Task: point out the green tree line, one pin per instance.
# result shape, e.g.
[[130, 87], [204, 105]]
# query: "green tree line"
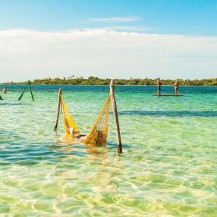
[[98, 81]]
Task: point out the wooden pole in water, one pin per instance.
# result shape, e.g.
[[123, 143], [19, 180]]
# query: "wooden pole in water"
[[31, 90], [22, 94], [58, 109], [117, 127]]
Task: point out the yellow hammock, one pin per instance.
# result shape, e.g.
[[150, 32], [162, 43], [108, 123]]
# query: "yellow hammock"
[[99, 131]]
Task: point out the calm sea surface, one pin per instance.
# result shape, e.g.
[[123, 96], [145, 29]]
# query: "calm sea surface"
[[168, 166]]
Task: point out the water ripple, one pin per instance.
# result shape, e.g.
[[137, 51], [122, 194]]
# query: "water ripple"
[[171, 113], [167, 168]]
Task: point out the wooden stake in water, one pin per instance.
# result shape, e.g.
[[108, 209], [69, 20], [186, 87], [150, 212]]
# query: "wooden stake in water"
[[22, 94], [30, 88], [58, 109], [117, 127]]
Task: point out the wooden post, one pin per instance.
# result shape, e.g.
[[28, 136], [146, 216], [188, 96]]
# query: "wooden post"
[[58, 109], [22, 94], [118, 134], [31, 90]]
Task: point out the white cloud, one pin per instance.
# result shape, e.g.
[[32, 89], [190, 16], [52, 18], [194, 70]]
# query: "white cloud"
[[125, 28], [30, 55], [113, 20]]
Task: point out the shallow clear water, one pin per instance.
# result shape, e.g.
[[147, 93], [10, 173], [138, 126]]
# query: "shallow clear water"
[[168, 166]]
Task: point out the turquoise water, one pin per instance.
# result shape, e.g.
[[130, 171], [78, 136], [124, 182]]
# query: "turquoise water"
[[168, 166]]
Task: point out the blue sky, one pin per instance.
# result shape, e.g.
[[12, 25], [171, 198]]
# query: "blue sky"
[[194, 17], [108, 39]]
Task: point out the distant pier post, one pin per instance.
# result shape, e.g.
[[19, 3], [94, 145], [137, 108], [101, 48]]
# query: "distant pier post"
[[117, 127], [30, 88], [58, 109]]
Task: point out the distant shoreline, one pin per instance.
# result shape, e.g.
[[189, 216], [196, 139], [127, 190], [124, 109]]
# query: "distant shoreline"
[[83, 85], [93, 81]]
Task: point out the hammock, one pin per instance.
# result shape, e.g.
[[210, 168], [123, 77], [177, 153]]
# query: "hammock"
[[98, 133]]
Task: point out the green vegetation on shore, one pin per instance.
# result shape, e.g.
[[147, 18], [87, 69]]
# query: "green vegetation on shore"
[[99, 81]]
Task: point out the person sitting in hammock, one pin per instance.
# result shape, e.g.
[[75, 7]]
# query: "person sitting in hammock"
[[72, 131], [4, 90], [76, 135]]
